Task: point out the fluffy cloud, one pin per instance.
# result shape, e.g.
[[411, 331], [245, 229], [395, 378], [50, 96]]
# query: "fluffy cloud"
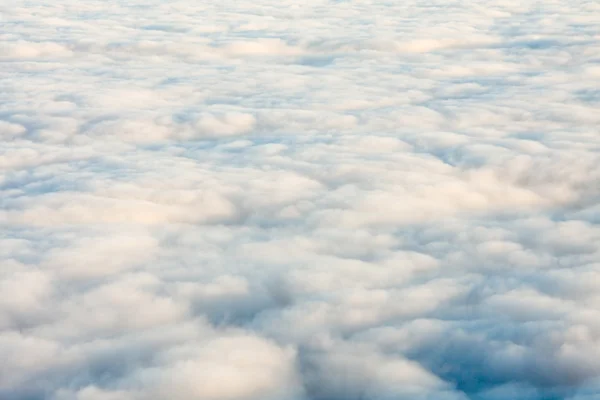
[[328, 201]]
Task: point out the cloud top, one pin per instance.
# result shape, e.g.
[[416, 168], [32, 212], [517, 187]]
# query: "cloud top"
[[337, 200]]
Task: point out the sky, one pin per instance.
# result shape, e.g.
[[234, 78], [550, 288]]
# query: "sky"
[[317, 200]]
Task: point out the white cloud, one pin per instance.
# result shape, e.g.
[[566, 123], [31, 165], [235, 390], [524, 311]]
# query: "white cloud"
[[334, 200], [225, 368]]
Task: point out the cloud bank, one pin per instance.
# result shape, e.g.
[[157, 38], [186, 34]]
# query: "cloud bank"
[[338, 200]]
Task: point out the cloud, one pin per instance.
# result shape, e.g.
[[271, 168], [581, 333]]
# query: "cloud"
[[260, 370], [338, 200]]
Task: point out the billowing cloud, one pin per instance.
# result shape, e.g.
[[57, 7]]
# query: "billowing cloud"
[[333, 200]]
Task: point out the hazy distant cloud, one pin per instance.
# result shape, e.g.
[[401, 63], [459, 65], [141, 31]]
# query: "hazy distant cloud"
[[331, 200]]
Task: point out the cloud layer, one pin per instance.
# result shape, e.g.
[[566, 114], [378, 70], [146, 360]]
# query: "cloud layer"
[[339, 200]]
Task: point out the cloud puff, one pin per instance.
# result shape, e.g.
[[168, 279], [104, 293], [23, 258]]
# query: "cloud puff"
[[328, 201]]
